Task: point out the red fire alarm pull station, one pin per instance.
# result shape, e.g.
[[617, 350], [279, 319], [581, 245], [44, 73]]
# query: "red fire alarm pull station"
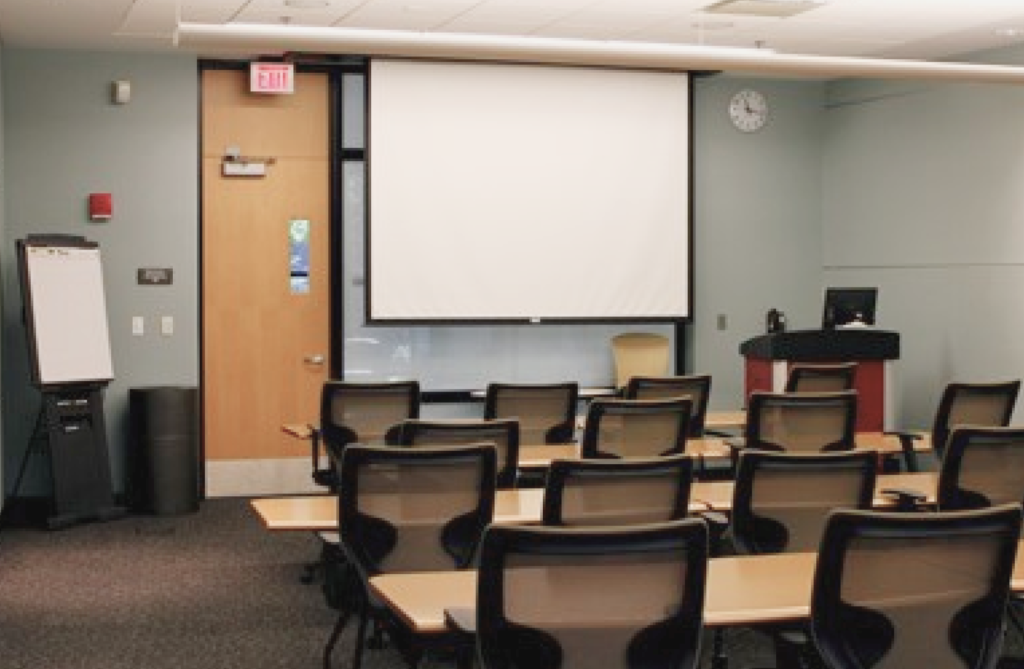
[[101, 206]]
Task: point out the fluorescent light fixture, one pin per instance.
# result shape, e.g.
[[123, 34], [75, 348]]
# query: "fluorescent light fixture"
[[768, 8], [266, 39]]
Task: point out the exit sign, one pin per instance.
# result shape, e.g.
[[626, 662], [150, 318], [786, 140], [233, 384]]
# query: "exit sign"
[[277, 78]]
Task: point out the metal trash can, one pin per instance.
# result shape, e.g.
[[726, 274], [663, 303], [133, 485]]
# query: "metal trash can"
[[164, 462]]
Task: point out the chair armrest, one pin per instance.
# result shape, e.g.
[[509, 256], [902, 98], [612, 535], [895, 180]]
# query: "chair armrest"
[[718, 525], [904, 435], [907, 499], [314, 438], [298, 431], [907, 440], [462, 619], [564, 433], [735, 444]]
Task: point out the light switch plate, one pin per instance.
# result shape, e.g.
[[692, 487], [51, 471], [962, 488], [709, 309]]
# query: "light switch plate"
[[167, 325], [138, 326]]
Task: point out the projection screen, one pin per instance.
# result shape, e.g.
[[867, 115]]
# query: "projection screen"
[[525, 193]]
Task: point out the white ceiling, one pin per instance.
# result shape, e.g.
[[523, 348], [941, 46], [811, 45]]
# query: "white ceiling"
[[916, 29]]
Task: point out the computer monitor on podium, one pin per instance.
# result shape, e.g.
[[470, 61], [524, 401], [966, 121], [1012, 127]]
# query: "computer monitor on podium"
[[849, 307]]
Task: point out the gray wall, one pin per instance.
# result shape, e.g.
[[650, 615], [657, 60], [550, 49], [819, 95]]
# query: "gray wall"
[[64, 140], [757, 222], [922, 195], [914, 188]]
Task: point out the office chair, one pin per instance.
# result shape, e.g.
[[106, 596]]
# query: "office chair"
[[982, 467], [781, 503], [614, 597], [409, 509], [546, 412], [640, 354], [359, 412], [697, 388], [914, 590], [804, 378], [617, 492], [799, 422], [352, 412], [984, 404], [618, 428], [965, 404], [503, 434]]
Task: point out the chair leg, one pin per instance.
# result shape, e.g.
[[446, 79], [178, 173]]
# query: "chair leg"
[[1011, 610], [719, 660], [309, 572], [364, 616], [788, 655], [339, 625], [376, 640]]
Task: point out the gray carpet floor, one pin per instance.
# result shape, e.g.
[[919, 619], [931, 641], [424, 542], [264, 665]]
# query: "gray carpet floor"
[[206, 590], [211, 589]]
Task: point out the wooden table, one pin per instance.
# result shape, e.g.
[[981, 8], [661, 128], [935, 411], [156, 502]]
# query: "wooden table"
[[319, 513], [717, 495], [714, 420], [713, 449], [747, 590], [725, 420]]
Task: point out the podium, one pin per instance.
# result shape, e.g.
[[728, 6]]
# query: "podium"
[[768, 358]]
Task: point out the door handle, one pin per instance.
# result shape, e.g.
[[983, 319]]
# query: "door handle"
[[314, 359]]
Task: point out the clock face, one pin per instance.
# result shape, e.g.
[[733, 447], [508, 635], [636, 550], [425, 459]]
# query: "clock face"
[[748, 110]]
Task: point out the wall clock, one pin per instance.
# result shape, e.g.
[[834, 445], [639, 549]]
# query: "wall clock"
[[748, 110]]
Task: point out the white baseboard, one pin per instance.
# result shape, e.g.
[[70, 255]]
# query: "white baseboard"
[[248, 478]]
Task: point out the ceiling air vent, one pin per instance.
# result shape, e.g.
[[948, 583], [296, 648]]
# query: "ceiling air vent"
[[770, 8]]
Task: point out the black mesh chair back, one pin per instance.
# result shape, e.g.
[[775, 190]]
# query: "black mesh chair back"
[[983, 404], [360, 412], [804, 378], [613, 598], [420, 509], [801, 422], [982, 467], [503, 434], [617, 492], [546, 412], [696, 388], [407, 510], [781, 501], [914, 590], [618, 428]]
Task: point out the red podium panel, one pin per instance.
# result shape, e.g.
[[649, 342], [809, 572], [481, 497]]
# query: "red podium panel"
[[769, 357]]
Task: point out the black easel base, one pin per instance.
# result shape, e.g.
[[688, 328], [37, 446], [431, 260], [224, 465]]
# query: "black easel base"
[[64, 520]]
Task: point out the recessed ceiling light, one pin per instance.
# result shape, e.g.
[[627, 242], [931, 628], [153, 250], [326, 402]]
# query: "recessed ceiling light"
[[1010, 32], [307, 4]]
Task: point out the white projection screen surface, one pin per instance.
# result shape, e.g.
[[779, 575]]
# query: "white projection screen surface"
[[527, 193]]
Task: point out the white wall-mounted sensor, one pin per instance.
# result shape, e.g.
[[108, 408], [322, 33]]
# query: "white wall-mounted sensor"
[[121, 92]]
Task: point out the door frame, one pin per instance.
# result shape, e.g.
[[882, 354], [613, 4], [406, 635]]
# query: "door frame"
[[335, 68]]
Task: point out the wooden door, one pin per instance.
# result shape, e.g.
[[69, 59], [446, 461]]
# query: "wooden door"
[[264, 344]]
